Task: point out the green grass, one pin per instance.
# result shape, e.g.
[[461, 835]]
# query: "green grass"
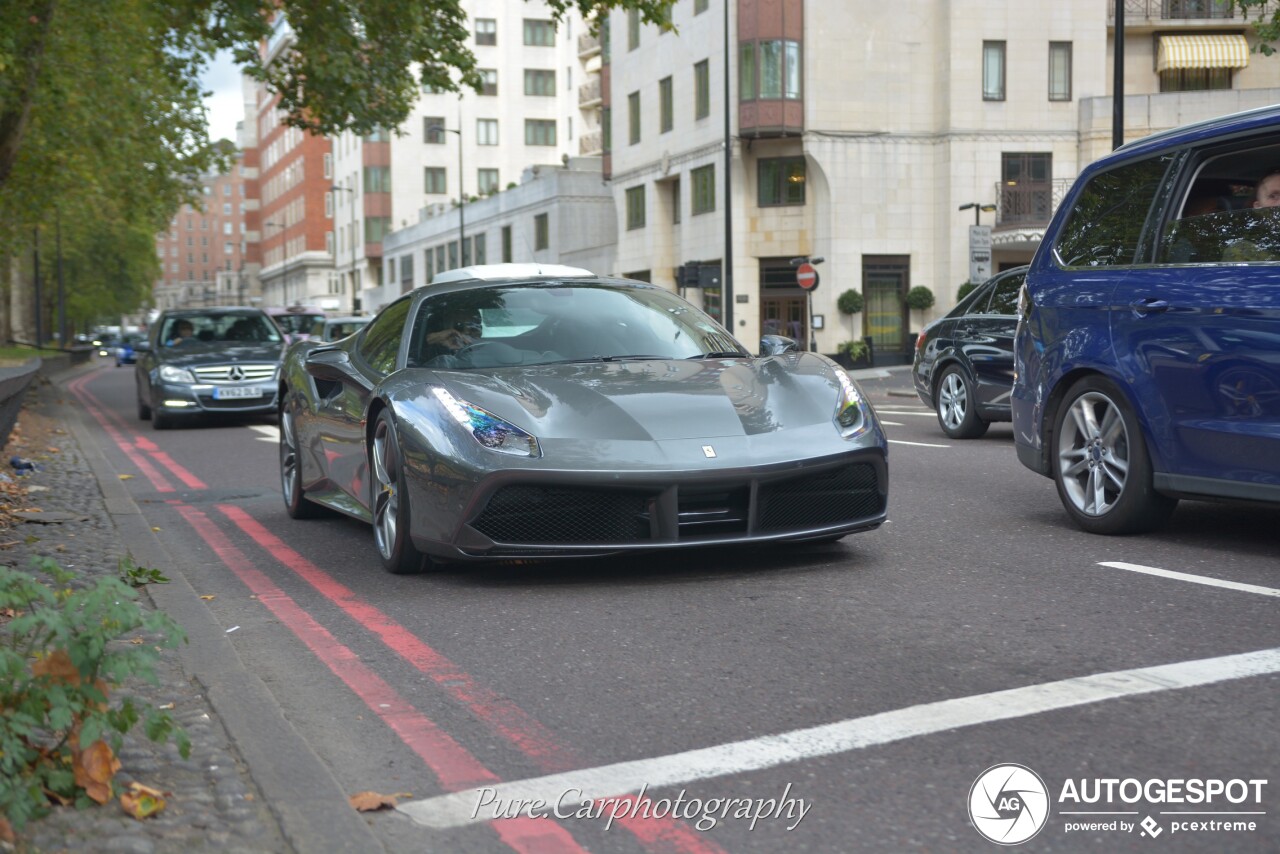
[[18, 355]]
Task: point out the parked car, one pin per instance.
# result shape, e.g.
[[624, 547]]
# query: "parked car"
[[296, 321], [1147, 357], [124, 350], [208, 360], [963, 365], [333, 328], [557, 413]]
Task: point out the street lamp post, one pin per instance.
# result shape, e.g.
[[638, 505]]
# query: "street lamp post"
[[355, 279], [977, 210], [462, 196]]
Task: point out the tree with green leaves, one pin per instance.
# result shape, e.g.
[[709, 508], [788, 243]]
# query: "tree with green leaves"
[[103, 129], [1265, 17]]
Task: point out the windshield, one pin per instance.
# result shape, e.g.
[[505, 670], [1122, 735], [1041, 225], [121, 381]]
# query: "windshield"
[[194, 329], [297, 322], [541, 324]]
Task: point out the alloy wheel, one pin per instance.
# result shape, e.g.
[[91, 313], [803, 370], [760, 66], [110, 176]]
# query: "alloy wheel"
[[1093, 454], [386, 503], [953, 400]]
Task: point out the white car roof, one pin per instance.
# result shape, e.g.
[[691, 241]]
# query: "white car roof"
[[508, 271]]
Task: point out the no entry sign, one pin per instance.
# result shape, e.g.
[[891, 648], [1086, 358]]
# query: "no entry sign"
[[807, 276]]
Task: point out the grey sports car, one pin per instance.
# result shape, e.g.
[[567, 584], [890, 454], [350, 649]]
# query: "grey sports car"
[[571, 415]]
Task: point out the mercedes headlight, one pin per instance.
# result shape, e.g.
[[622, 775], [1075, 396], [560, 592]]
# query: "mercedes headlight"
[[171, 374], [488, 429], [851, 415]]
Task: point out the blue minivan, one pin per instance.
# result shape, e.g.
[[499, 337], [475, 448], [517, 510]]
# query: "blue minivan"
[[1147, 353]]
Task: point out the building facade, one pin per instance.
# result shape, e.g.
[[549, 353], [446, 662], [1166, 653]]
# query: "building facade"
[[874, 136], [202, 255]]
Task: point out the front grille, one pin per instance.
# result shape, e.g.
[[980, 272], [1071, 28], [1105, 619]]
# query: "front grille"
[[817, 500], [222, 373], [542, 514]]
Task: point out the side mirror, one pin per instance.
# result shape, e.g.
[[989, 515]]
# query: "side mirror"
[[142, 347], [776, 345], [326, 363]]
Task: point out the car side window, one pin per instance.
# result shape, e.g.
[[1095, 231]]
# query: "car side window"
[[1107, 219], [1004, 298], [381, 342]]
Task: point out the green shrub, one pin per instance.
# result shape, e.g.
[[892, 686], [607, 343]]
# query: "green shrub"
[[63, 649], [849, 302], [965, 290], [919, 298], [856, 350]]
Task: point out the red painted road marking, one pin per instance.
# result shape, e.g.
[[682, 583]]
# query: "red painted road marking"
[[158, 481], [454, 767], [503, 716], [104, 416]]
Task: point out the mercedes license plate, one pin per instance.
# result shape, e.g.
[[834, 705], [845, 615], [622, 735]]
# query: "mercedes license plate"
[[228, 392]]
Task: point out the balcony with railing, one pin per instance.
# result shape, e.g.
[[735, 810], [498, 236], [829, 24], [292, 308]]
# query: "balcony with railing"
[[1028, 204], [590, 93], [588, 46], [591, 143], [1162, 13]]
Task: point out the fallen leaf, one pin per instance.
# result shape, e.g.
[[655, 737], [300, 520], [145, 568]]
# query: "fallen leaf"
[[58, 667], [371, 801], [166, 706], [142, 801], [155, 529], [135, 641], [126, 477], [6, 832], [208, 596], [94, 767], [51, 449]]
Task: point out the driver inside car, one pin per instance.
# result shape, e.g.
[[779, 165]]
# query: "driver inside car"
[[457, 327]]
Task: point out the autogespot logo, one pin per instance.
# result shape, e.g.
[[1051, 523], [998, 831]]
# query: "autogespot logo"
[[1008, 804]]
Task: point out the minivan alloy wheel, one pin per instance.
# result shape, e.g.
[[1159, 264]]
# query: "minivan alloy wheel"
[[1093, 453]]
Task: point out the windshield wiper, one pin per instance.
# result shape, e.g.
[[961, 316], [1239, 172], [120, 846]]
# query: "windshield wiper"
[[718, 354], [621, 358]]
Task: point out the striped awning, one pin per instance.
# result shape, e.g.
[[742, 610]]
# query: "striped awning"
[[1220, 51]]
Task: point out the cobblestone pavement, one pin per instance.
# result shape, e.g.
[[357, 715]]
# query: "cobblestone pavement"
[[213, 804]]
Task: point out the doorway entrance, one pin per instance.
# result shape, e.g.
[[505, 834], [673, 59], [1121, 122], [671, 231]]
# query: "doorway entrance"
[[784, 316], [885, 279]]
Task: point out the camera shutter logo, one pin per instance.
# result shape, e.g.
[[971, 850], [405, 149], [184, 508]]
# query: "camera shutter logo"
[[1008, 804]]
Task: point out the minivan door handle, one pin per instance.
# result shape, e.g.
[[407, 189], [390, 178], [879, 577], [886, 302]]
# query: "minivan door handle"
[[1149, 305]]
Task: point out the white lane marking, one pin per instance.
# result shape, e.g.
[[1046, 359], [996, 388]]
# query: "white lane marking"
[[270, 432], [459, 808], [928, 413], [1194, 579], [882, 421], [917, 444]]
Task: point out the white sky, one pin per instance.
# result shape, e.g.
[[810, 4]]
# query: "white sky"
[[225, 105]]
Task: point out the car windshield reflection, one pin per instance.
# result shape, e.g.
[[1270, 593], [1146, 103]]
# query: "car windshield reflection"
[[542, 325]]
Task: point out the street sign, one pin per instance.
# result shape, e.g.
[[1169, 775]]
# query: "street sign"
[[807, 277], [979, 253]]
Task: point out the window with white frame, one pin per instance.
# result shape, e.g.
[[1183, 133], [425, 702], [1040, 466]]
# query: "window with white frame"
[[486, 31], [993, 71], [1059, 71], [434, 181], [540, 81], [539, 33], [486, 131], [539, 132], [635, 207]]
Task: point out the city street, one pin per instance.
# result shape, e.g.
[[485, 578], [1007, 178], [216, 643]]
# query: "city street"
[[574, 681]]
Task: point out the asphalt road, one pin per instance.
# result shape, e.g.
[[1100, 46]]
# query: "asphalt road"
[[830, 679]]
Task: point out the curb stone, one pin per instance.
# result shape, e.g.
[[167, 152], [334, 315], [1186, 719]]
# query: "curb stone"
[[285, 800]]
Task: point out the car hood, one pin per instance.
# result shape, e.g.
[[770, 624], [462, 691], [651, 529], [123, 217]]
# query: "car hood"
[[194, 354], [656, 399]]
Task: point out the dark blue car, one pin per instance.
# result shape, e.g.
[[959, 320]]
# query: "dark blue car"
[[124, 350], [1147, 355]]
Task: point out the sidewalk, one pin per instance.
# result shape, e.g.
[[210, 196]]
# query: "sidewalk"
[[284, 799]]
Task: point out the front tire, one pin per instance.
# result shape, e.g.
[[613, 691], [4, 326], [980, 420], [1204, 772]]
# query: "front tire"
[[390, 501], [956, 406], [144, 411], [296, 503], [1101, 465]]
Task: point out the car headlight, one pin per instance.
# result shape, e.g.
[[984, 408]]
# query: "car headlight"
[[488, 429], [170, 374], [851, 416]]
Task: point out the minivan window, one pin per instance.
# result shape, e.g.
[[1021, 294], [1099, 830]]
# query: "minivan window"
[[1105, 225]]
